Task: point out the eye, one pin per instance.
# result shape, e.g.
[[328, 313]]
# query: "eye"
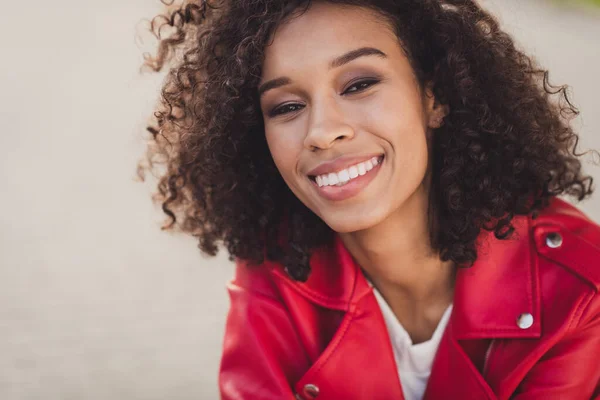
[[285, 109], [360, 86], [355, 87]]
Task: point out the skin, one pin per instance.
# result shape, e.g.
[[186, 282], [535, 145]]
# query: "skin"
[[328, 113]]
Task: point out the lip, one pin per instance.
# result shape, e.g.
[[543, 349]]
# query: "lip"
[[350, 189], [340, 163]]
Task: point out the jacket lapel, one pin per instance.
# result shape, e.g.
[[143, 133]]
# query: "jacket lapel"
[[453, 374], [489, 298], [359, 362], [502, 285]]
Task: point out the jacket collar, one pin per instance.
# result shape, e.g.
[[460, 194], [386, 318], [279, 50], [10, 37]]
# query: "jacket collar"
[[489, 297]]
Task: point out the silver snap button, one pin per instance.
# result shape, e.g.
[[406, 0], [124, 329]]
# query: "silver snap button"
[[554, 240], [311, 391], [525, 321]]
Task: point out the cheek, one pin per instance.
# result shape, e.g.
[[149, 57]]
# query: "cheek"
[[395, 110], [411, 151], [284, 151], [398, 120]]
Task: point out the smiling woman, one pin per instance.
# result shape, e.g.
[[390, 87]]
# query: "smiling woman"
[[385, 174], [349, 109]]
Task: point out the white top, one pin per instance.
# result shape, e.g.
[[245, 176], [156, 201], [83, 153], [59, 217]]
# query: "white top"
[[413, 361]]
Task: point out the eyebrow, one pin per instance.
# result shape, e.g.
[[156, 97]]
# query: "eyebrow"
[[336, 63]]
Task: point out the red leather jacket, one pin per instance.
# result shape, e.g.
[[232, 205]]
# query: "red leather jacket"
[[525, 324]]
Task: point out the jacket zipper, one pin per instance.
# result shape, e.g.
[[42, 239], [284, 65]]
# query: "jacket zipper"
[[487, 356]]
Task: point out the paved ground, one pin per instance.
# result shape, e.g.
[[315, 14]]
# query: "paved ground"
[[96, 302]]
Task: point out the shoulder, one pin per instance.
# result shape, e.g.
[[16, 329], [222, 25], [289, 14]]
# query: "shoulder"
[[259, 279], [334, 282], [566, 236]]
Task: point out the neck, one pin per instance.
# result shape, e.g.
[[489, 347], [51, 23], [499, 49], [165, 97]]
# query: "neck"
[[396, 256]]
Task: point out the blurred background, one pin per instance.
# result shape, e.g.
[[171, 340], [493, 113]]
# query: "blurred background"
[[96, 302]]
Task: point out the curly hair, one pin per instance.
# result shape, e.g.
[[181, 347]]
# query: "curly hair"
[[505, 148]]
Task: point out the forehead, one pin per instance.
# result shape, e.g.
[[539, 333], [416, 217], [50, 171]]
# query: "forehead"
[[325, 31]]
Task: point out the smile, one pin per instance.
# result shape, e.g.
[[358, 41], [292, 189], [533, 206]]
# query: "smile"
[[347, 182], [340, 178]]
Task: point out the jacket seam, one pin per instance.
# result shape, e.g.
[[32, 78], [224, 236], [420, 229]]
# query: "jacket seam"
[[565, 266], [256, 292], [581, 277], [336, 344], [583, 306], [325, 301], [284, 305], [485, 387]]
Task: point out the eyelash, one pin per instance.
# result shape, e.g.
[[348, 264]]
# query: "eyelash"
[[370, 82]]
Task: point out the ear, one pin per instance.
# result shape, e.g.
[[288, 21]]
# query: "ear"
[[435, 112]]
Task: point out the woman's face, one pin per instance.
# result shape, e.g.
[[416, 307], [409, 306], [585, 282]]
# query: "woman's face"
[[345, 119]]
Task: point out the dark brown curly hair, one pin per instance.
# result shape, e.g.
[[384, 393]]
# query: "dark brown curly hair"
[[506, 146]]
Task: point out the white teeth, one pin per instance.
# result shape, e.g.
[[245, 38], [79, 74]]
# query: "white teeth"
[[361, 169], [333, 179], [342, 177]]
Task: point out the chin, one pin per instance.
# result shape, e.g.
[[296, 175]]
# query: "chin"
[[348, 222]]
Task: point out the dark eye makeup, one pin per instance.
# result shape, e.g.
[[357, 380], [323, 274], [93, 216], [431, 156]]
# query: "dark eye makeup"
[[354, 87]]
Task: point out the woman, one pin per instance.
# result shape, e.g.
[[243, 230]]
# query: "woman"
[[384, 173]]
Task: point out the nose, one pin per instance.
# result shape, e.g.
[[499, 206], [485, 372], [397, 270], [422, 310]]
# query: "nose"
[[327, 125]]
